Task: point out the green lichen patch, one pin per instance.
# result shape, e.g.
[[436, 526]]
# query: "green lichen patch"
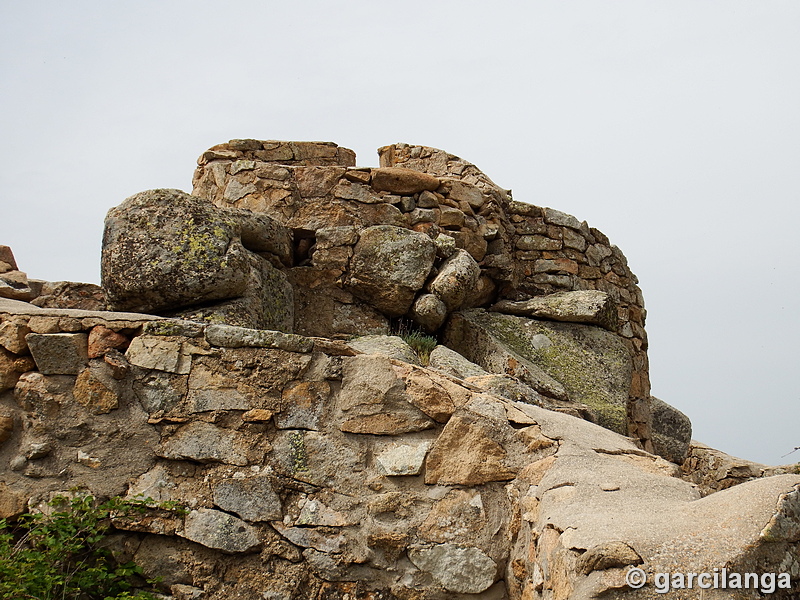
[[298, 450], [591, 363]]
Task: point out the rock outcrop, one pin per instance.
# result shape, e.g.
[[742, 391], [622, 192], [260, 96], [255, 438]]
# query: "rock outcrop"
[[317, 456]]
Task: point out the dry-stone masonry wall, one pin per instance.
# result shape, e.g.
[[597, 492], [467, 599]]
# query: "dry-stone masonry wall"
[[319, 457], [311, 470], [424, 235]]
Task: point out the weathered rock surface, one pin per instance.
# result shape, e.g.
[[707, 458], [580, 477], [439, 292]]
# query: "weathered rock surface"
[[566, 361], [457, 277], [582, 306], [164, 250], [389, 266], [367, 475], [391, 346], [672, 431]]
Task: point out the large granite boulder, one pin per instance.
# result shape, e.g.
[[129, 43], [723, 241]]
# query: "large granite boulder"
[[389, 265], [164, 250], [567, 361]]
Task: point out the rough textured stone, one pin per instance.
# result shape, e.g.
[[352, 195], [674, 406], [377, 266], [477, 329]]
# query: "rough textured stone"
[[452, 363], [302, 405], [14, 286], [389, 265], [672, 431], [429, 312], [229, 336], [462, 570], [71, 294], [221, 531], [95, 394], [252, 499], [373, 399], [608, 555], [163, 354], [403, 459], [472, 335], [582, 306], [390, 346], [6, 428], [12, 336], [457, 277], [361, 476], [59, 353], [590, 364], [204, 442], [402, 181], [11, 367], [11, 504], [164, 250], [7, 257], [102, 339]]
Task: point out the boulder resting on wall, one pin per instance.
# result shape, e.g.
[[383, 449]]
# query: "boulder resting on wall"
[[389, 265], [164, 250]]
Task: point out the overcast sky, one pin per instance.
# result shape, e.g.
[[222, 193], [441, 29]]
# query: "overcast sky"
[[671, 126]]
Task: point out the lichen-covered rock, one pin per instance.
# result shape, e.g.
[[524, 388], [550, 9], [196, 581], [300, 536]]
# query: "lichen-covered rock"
[[672, 431], [591, 365], [389, 266], [429, 312], [473, 335], [164, 250], [456, 279]]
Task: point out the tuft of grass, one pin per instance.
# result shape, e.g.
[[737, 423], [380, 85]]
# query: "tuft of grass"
[[421, 343]]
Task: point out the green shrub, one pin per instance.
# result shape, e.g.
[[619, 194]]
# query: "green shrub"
[[60, 555]]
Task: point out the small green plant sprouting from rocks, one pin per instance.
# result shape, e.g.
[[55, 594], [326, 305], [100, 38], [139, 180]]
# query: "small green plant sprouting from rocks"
[[61, 555], [421, 343], [299, 457]]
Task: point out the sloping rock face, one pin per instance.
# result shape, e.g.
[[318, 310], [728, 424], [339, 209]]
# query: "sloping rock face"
[[586, 364], [310, 470]]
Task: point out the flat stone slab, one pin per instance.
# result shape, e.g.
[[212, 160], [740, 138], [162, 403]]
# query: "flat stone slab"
[[581, 306], [17, 307]]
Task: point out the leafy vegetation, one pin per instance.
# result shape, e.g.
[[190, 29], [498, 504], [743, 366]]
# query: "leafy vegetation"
[[60, 554]]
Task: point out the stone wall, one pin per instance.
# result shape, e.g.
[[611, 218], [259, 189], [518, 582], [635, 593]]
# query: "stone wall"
[[311, 470], [522, 250]]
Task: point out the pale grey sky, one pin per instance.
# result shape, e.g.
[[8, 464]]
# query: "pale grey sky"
[[671, 126]]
